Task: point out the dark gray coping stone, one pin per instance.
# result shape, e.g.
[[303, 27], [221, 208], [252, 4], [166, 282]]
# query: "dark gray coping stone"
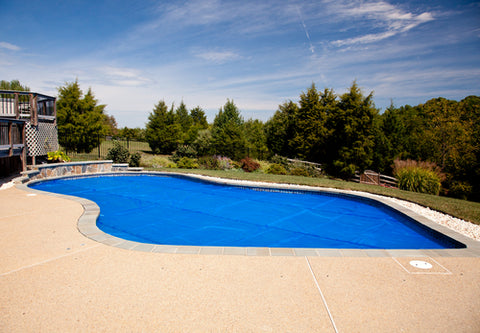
[[87, 224]]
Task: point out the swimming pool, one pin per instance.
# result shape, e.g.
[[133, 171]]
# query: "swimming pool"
[[174, 210]]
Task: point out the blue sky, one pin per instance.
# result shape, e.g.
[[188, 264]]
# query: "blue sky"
[[258, 53]]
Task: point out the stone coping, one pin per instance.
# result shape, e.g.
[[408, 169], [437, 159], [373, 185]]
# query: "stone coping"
[[88, 227]]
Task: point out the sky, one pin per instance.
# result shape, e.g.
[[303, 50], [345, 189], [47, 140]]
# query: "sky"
[[260, 54]]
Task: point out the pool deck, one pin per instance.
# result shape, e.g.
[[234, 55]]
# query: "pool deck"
[[55, 279]]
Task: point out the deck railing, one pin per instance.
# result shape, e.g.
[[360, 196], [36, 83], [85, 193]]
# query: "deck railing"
[[27, 105]]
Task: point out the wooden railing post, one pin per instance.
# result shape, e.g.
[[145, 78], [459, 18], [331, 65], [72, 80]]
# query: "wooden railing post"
[[17, 107], [10, 138], [24, 149]]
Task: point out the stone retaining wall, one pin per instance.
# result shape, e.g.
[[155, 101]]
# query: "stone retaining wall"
[[72, 168]]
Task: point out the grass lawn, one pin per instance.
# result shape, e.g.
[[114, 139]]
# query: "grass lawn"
[[466, 210]]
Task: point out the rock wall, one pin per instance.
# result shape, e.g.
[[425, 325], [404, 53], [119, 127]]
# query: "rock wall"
[[72, 168]]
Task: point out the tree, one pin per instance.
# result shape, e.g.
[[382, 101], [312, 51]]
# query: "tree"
[[310, 120], [352, 142], [183, 118], [228, 136], [256, 140], [163, 133], [111, 125], [136, 133], [198, 123], [280, 129], [13, 85], [80, 120]]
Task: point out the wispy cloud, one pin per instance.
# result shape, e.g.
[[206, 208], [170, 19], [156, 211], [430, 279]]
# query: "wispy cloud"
[[312, 48], [391, 19], [218, 57], [120, 76], [8, 46]]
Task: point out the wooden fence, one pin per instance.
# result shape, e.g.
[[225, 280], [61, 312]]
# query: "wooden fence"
[[374, 178]]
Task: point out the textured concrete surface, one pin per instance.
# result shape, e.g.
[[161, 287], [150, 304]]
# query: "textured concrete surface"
[[53, 279]]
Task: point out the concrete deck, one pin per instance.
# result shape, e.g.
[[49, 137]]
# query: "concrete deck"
[[52, 278]]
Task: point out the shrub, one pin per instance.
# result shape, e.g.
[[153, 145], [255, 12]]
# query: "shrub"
[[280, 160], [420, 177], [298, 171], [187, 163], [208, 162], [276, 169], [57, 157], [135, 160], [224, 163], [460, 190], [118, 153], [216, 162], [249, 165], [155, 161], [184, 151]]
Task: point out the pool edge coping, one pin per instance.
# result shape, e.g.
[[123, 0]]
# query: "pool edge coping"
[[86, 224]]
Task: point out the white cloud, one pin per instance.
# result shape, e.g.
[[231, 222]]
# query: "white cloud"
[[381, 15], [9, 46], [121, 76]]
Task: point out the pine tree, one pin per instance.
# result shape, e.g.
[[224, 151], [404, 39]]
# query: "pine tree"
[[279, 130], [80, 119], [163, 133], [310, 131], [352, 142], [228, 136]]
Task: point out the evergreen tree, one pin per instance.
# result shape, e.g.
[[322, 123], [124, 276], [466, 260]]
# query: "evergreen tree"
[[198, 123], [183, 118], [280, 129], [352, 141], [256, 140], [163, 133], [199, 118], [228, 136], [80, 120], [310, 131]]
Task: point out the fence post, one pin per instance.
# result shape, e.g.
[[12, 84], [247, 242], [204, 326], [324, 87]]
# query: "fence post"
[[98, 141]]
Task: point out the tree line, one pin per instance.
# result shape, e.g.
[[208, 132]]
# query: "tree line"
[[345, 133]]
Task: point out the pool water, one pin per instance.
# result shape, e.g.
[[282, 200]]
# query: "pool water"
[[175, 210]]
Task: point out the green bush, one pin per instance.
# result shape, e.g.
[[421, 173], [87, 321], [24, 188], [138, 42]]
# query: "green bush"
[[299, 172], [216, 162], [276, 169], [118, 153], [184, 151], [135, 160], [460, 190], [422, 177], [249, 165], [208, 162], [280, 160], [187, 163]]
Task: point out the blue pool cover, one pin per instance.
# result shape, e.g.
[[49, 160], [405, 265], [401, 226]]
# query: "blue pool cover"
[[180, 211]]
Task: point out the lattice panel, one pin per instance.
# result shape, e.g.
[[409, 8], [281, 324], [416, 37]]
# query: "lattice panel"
[[41, 138]]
